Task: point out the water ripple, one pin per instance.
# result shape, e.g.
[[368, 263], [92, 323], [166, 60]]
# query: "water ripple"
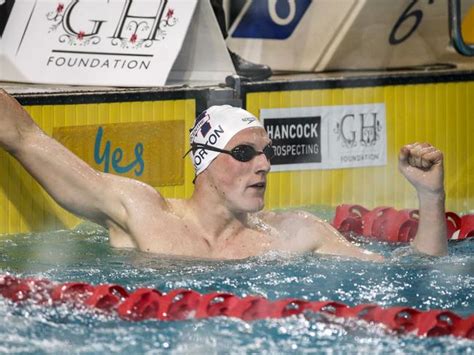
[[83, 255]]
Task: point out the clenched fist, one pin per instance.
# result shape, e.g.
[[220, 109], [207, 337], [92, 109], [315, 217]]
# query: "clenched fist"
[[422, 165]]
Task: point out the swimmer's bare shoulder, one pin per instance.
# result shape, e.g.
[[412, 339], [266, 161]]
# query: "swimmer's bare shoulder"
[[307, 232], [134, 209]]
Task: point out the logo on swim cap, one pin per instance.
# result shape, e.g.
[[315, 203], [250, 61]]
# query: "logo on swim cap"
[[206, 127], [201, 120], [249, 120], [216, 126], [200, 117]]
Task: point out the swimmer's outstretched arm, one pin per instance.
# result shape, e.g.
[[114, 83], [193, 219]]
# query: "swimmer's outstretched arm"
[[422, 165], [306, 232], [103, 198]]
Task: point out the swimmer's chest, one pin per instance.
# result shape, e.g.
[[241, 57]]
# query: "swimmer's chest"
[[177, 235]]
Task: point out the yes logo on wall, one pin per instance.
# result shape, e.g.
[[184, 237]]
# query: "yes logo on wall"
[[137, 150], [270, 19]]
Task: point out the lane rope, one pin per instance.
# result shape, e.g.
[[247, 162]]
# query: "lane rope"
[[394, 226], [180, 304]]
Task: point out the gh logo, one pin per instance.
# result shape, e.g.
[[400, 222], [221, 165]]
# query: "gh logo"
[[131, 28], [271, 19], [155, 18], [363, 128], [5, 10]]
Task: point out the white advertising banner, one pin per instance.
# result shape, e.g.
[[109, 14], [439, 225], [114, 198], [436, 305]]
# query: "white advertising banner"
[[100, 42], [318, 35], [327, 137]]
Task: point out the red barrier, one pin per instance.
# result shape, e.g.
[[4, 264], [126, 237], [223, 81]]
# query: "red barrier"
[[373, 221], [465, 328], [216, 304], [14, 289], [403, 227], [453, 223], [362, 311], [147, 303], [106, 297], [144, 303], [251, 308], [330, 307], [399, 319], [348, 218], [437, 323], [180, 304], [467, 227], [392, 226], [76, 292], [288, 307]]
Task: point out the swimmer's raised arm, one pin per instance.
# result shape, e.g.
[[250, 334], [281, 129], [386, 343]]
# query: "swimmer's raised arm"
[[100, 197], [422, 165]]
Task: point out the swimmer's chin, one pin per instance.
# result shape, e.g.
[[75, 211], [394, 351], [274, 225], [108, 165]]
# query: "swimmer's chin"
[[251, 209], [258, 207]]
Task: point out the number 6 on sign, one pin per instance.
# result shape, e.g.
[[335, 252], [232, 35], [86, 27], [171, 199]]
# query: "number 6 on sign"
[[407, 14], [352, 34]]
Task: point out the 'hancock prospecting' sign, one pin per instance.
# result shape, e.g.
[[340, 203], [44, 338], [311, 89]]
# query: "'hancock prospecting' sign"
[[327, 137], [92, 42]]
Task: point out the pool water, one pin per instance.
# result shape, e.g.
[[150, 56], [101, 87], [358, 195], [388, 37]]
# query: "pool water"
[[83, 254]]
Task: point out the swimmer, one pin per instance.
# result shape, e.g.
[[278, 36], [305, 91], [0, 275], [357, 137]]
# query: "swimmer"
[[223, 219]]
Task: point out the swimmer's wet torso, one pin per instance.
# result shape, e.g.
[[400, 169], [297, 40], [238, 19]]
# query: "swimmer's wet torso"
[[223, 218], [178, 232]]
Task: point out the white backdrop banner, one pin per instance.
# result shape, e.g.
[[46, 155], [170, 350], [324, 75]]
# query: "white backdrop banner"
[[318, 35], [327, 137], [99, 42]]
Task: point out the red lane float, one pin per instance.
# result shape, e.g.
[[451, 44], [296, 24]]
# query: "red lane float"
[[142, 304], [216, 304], [394, 226], [179, 304]]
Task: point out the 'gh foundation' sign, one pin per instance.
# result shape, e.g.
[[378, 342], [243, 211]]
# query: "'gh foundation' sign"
[[327, 137], [94, 42]]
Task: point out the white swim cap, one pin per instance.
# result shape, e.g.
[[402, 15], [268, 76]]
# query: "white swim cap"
[[215, 127]]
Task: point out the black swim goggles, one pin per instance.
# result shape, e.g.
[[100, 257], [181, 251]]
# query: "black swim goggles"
[[242, 152]]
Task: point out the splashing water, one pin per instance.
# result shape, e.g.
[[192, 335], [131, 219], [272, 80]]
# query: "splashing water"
[[83, 254]]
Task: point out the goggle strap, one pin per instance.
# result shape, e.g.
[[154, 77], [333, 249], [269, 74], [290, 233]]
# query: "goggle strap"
[[196, 146], [267, 151], [189, 151]]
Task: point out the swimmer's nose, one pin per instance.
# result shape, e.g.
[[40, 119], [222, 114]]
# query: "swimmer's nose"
[[262, 163]]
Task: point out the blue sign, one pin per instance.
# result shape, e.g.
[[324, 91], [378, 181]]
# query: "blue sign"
[[271, 19]]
